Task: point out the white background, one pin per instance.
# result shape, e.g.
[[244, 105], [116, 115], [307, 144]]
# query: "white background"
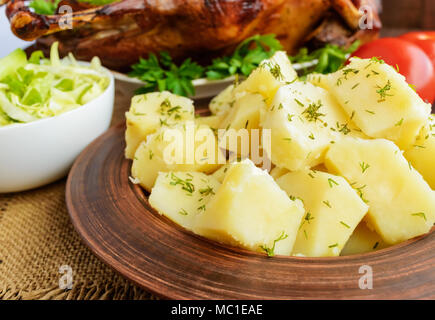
[[8, 42]]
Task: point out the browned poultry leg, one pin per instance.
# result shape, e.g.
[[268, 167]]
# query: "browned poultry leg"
[[29, 26]]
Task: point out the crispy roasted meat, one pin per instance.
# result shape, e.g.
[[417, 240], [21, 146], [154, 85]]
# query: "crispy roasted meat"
[[121, 32]]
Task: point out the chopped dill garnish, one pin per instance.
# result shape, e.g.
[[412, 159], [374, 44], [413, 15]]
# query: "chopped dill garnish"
[[377, 60], [345, 224], [207, 191], [420, 214], [271, 251], [343, 128], [307, 219], [275, 70], [356, 85], [299, 103], [348, 71], [333, 245], [332, 182], [185, 184], [183, 212], [327, 203], [364, 166], [312, 112], [399, 123], [383, 91], [360, 193]]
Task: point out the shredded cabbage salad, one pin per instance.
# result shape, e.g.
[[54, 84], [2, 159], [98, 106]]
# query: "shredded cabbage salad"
[[37, 88]]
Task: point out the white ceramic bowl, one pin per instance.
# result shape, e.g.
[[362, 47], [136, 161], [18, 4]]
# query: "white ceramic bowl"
[[40, 152]]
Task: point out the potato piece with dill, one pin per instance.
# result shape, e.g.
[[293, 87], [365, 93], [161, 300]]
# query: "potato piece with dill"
[[223, 102], [363, 240], [251, 211], [268, 77], [422, 153], [246, 112], [333, 210], [151, 111], [319, 80], [401, 204], [185, 147], [304, 120], [189, 193], [382, 103]]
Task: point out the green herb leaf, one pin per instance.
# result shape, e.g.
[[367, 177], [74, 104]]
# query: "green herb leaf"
[[247, 56], [166, 75]]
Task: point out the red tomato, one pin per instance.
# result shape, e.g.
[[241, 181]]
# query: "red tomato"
[[412, 62], [425, 40]]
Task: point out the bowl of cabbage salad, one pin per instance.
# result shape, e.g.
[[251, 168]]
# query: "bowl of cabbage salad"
[[50, 110]]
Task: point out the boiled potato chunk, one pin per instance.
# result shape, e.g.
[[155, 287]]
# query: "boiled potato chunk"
[[333, 210], [422, 153], [185, 147], [304, 121], [281, 62], [363, 240], [319, 80], [278, 172], [223, 102], [251, 211], [383, 105], [401, 203], [268, 77], [181, 196], [245, 114], [212, 121], [151, 111]]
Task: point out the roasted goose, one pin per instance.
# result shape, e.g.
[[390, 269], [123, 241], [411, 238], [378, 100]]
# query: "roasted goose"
[[121, 32]]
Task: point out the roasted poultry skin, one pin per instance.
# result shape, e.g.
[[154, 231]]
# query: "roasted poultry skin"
[[121, 32]]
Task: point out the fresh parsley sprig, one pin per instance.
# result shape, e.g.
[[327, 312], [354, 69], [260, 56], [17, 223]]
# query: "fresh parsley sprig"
[[166, 75], [163, 74], [330, 58], [247, 56]]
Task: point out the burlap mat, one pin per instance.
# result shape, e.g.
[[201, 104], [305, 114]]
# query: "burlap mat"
[[37, 238]]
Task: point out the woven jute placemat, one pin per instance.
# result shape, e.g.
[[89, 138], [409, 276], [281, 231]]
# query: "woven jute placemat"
[[37, 239]]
